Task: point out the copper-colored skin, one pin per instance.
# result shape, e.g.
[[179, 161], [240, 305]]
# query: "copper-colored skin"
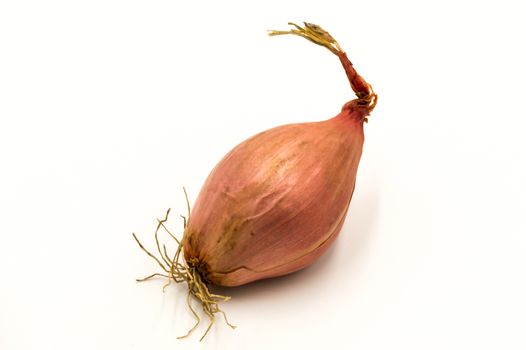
[[276, 202]]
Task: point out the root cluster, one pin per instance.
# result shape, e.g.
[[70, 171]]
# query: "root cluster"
[[176, 269]]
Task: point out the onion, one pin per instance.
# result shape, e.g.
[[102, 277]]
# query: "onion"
[[274, 203]]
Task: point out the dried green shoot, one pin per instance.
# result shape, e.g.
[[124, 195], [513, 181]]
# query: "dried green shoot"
[[366, 98], [313, 33]]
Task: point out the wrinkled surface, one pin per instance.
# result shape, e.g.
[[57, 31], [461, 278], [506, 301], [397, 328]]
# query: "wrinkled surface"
[[276, 201]]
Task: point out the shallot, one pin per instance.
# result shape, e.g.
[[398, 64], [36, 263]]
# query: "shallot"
[[276, 202]]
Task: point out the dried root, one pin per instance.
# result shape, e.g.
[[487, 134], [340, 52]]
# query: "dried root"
[[177, 270]]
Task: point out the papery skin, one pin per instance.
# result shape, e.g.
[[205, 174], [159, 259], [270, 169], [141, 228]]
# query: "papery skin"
[[277, 201]]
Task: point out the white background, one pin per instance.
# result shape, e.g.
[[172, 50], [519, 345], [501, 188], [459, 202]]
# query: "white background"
[[107, 108]]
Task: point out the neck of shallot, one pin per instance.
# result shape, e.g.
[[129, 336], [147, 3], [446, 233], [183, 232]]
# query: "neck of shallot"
[[366, 99]]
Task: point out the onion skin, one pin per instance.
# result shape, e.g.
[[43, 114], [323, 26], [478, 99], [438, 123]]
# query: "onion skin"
[[274, 204], [277, 201]]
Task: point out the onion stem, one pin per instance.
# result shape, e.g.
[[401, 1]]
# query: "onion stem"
[[366, 98]]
